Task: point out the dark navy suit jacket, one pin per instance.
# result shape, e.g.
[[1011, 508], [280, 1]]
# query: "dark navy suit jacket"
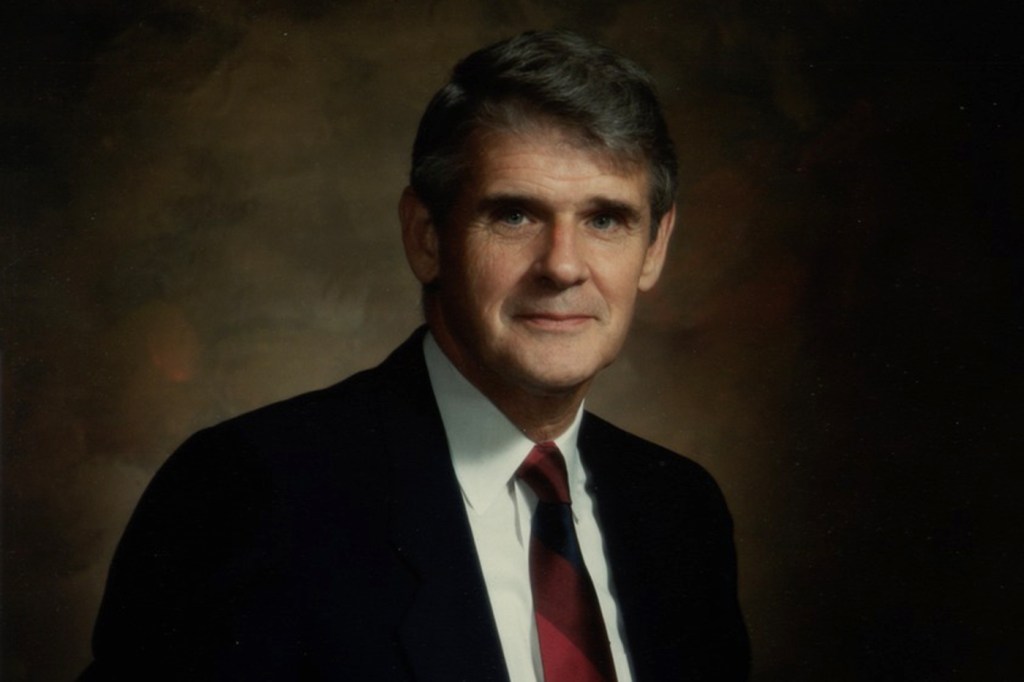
[[325, 538]]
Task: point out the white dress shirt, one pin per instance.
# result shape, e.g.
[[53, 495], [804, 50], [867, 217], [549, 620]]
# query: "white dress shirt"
[[486, 450]]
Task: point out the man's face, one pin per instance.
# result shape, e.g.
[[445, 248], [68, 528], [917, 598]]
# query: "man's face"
[[538, 267]]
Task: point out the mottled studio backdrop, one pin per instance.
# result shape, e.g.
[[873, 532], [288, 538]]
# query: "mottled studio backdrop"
[[198, 217]]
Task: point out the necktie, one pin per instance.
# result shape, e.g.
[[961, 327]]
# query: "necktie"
[[573, 640]]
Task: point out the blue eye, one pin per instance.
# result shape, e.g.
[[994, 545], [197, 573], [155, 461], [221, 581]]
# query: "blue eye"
[[513, 217], [604, 221]]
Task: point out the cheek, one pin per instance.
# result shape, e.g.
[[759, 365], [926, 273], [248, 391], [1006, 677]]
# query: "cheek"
[[493, 273], [618, 281], [478, 285]]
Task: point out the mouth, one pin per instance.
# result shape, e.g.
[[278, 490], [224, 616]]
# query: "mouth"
[[555, 322]]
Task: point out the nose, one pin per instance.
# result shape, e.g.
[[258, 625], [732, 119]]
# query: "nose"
[[561, 260]]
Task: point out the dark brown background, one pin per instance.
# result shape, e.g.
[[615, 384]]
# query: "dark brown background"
[[198, 208]]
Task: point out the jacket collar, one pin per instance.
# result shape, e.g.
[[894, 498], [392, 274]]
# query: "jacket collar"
[[449, 630]]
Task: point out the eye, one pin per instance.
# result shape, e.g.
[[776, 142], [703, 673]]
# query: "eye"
[[604, 221], [512, 217]]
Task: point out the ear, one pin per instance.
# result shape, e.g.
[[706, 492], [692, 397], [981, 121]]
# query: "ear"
[[654, 257], [419, 237]]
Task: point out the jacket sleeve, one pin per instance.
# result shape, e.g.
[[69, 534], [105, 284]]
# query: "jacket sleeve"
[[180, 597]]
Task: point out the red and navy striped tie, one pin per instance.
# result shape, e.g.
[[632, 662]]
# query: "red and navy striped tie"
[[573, 640]]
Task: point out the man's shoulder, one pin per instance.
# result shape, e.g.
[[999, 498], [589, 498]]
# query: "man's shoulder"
[[604, 439], [310, 433], [307, 415], [302, 422], [348, 410], [622, 460]]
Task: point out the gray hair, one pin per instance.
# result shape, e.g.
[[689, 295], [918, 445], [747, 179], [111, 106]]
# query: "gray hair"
[[599, 97]]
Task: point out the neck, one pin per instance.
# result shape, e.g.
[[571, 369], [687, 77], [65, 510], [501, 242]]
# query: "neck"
[[540, 418]]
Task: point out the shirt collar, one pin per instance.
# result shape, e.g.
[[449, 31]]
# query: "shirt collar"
[[486, 448]]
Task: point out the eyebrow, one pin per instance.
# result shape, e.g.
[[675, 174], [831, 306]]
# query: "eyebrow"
[[629, 212], [498, 202]]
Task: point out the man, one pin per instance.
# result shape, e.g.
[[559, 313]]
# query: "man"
[[454, 514]]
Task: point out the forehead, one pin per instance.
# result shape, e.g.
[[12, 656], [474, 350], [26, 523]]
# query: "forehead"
[[547, 159]]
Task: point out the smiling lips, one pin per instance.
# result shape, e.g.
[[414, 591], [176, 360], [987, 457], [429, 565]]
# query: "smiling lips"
[[555, 321]]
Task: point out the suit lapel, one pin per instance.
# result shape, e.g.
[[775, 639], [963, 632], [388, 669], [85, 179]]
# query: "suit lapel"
[[624, 518], [449, 630]]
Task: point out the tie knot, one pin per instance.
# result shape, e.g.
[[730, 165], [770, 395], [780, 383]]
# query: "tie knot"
[[544, 471]]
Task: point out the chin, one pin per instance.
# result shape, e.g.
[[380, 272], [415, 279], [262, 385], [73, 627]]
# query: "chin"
[[554, 380], [552, 388]]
